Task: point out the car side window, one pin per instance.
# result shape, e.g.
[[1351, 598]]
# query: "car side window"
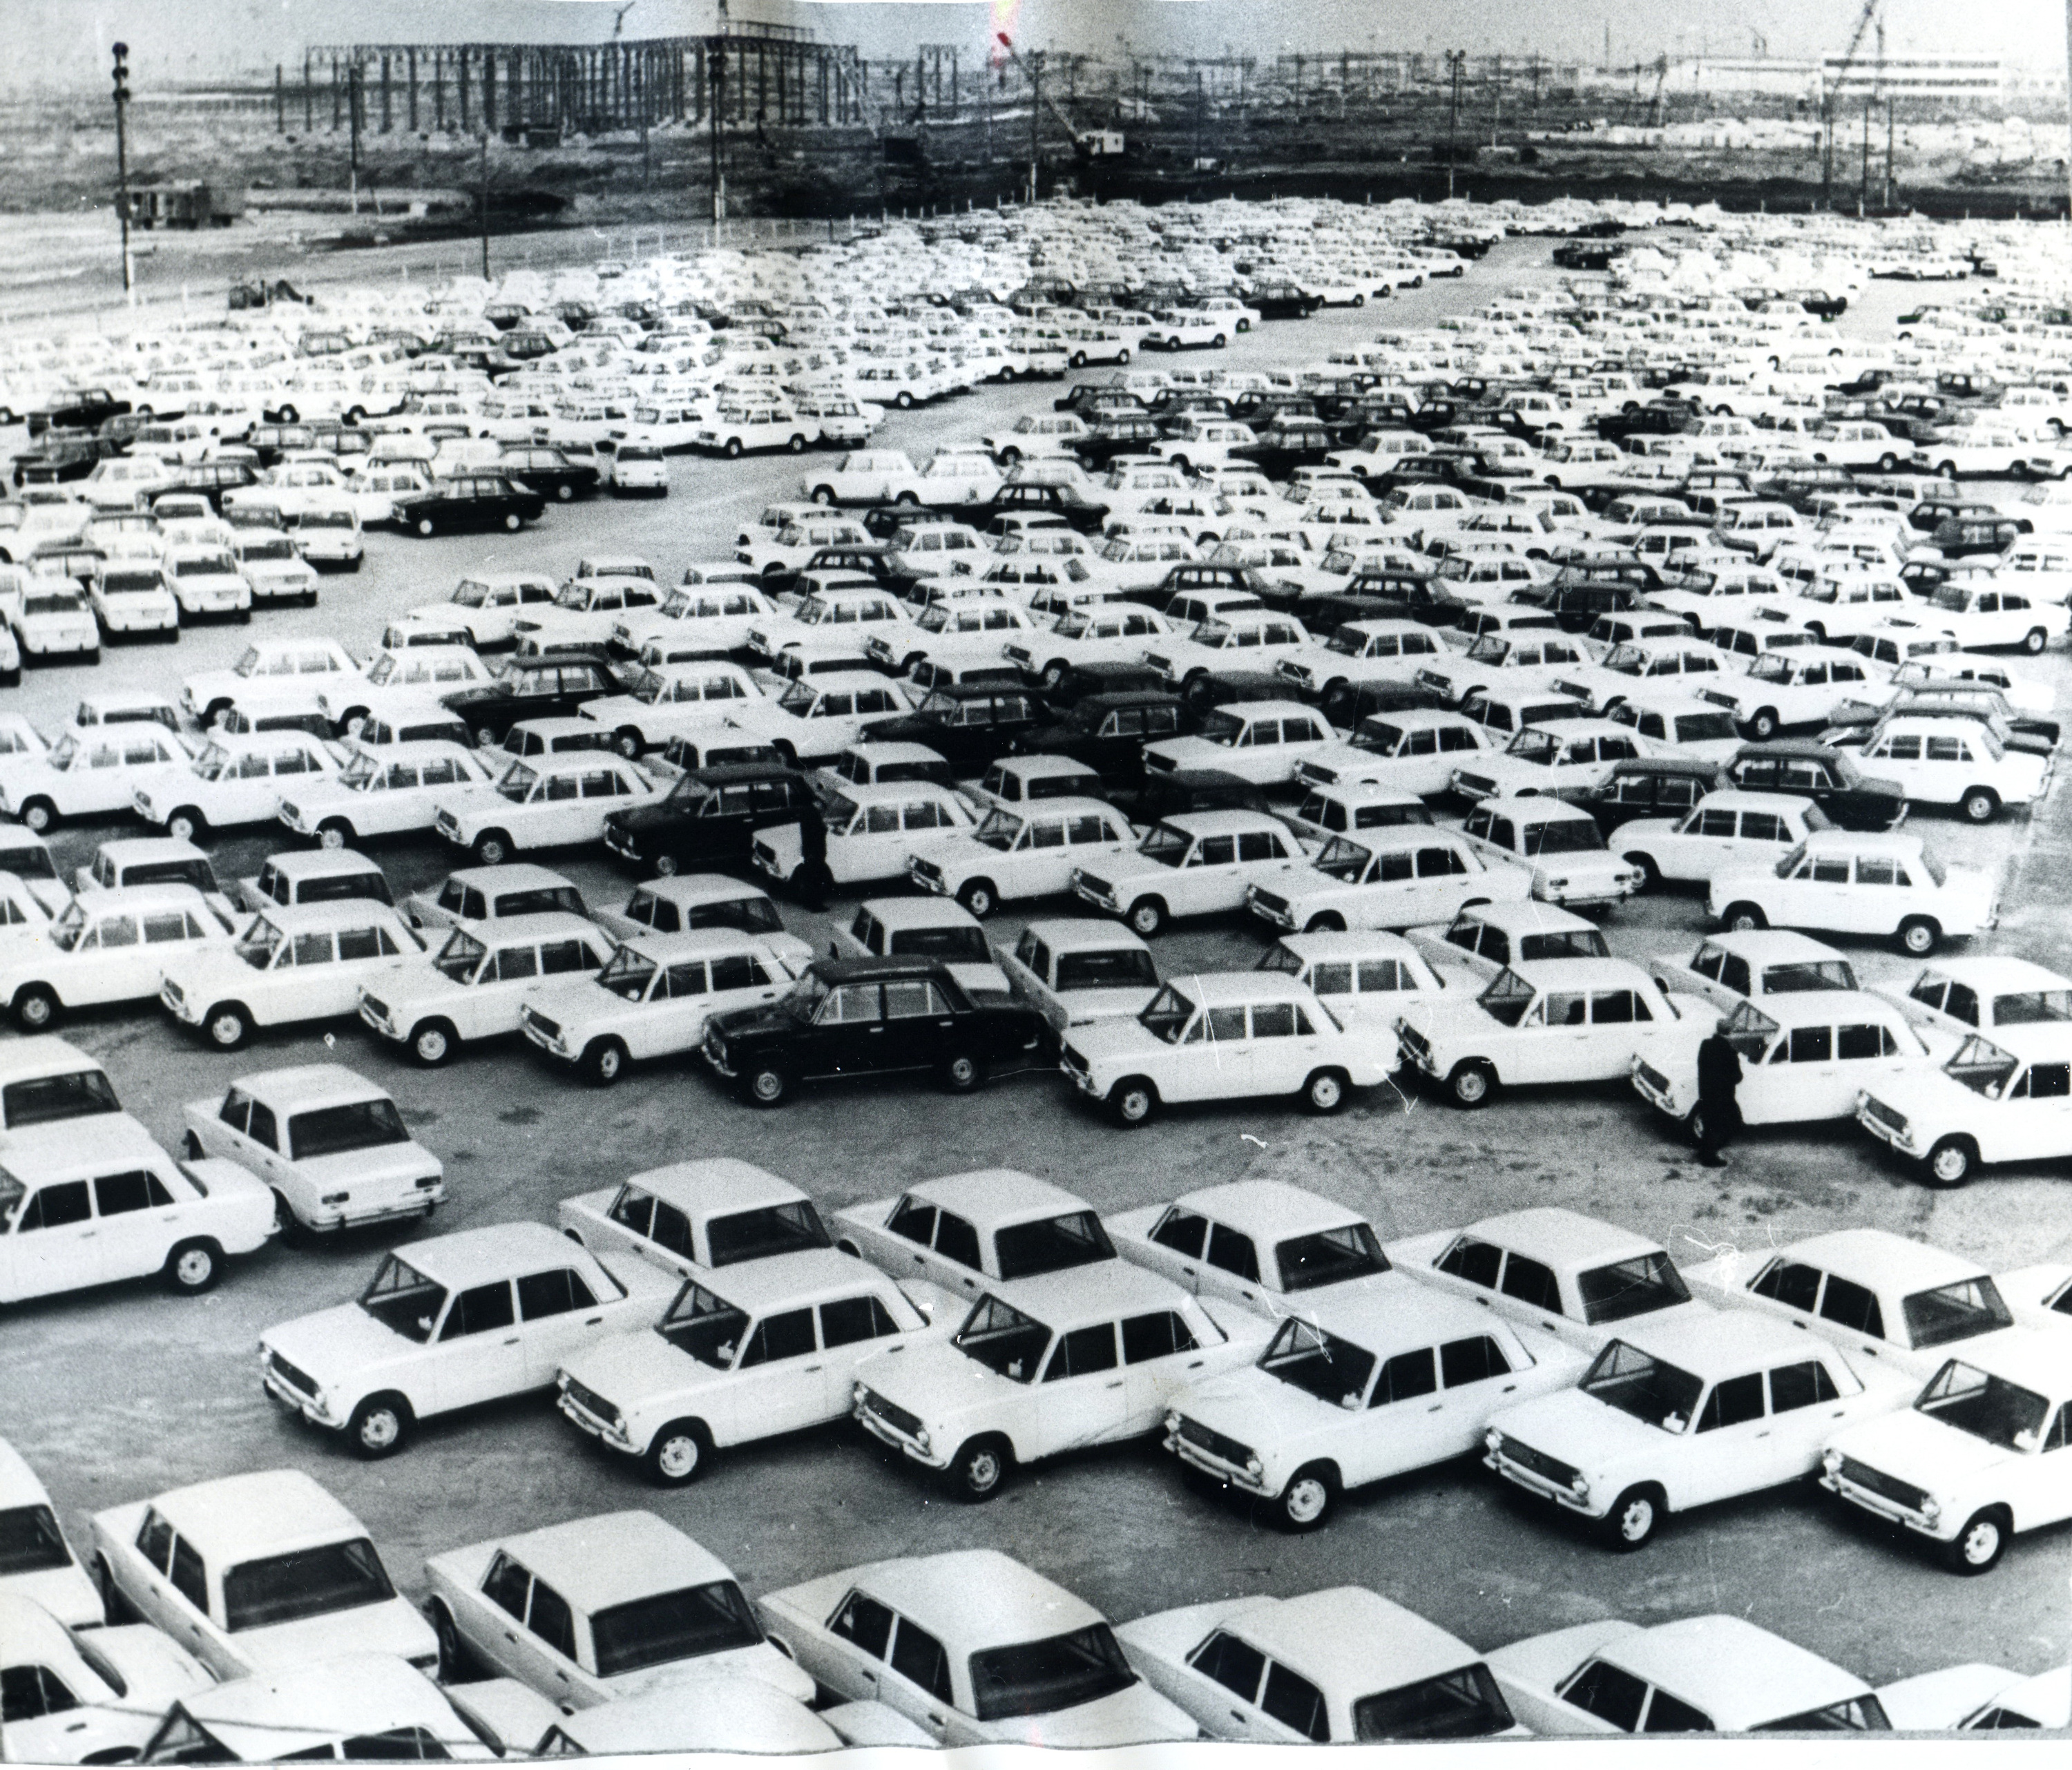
[[1160, 1335], [560, 1292], [1183, 1231], [1735, 975], [115, 1195], [189, 1579], [55, 1207], [865, 1623], [1531, 1283], [918, 1657], [1296, 1704], [551, 1620], [1793, 1386], [1473, 1360], [1614, 1696], [1082, 1352], [913, 1220], [850, 1319], [1405, 1377], [1790, 1283], [263, 1129], [788, 1335], [1852, 1306], [1232, 1252], [1225, 1659], [1733, 1403], [482, 1310], [1473, 1262]]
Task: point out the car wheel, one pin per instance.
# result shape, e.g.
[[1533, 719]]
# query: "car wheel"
[[194, 1266], [1743, 918], [227, 1026], [1949, 1163], [1887, 462], [767, 1086], [677, 1454], [978, 898], [1980, 805], [1079, 359], [455, 1661], [513, 521], [628, 744], [425, 526], [1325, 922], [1651, 875], [2034, 640], [1763, 727], [1053, 675], [1947, 470], [286, 1225], [119, 1609], [665, 865], [1919, 937], [1122, 356], [484, 737], [1305, 1504], [38, 815], [1132, 1102], [1146, 917], [186, 825], [962, 1074], [979, 1468], [910, 498], [823, 494], [905, 402], [603, 1062], [1980, 1544], [797, 445], [1631, 1522], [36, 1009], [432, 1043], [379, 1426], [1472, 1084], [1359, 300], [734, 448], [492, 848], [1324, 1092], [334, 832]]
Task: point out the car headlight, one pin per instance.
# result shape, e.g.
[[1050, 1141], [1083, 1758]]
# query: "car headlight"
[[1493, 1441], [857, 1396], [1831, 1462], [1173, 1422], [921, 1440], [1580, 1487], [1254, 1467], [1557, 884], [1931, 1510]]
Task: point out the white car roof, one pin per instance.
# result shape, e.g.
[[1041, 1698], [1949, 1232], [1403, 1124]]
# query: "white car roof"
[[301, 1086], [1084, 933], [512, 875], [1353, 1642], [794, 1280], [716, 1186], [1271, 1210], [1992, 972], [1882, 1260], [470, 1257], [240, 1517], [19, 1482], [1564, 1239], [1044, 767], [274, 1713], [1740, 1675], [975, 1599], [998, 1196]]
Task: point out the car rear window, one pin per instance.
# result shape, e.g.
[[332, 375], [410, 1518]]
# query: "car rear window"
[[1076, 1239], [775, 1229]]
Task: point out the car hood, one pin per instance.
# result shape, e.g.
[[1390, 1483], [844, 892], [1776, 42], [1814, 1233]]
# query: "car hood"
[[762, 1662], [628, 1369], [1438, 1019], [1129, 1717], [580, 999], [1648, 829], [1258, 1411], [1113, 1038], [1581, 1430], [345, 1344], [390, 1627], [1917, 1448], [770, 1022], [938, 1383]]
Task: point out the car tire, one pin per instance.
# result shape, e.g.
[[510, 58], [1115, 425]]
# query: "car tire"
[[432, 1043], [1743, 918], [1763, 727], [425, 528], [732, 450], [765, 1084], [962, 1073], [904, 401], [1919, 937], [455, 1661], [980, 1467], [2034, 640], [1980, 805], [186, 824], [335, 832], [628, 744], [1307, 1501], [1325, 922], [226, 1025], [1978, 1548], [910, 498], [980, 897], [823, 494], [797, 445], [118, 1608], [1473, 1084], [36, 1009], [1324, 1092], [1122, 356], [1146, 917], [380, 1425], [1631, 1523], [603, 1062], [194, 1266], [38, 815], [1650, 874], [665, 866], [1887, 462], [492, 848], [1133, 1102], [1950, 1162], [677, 1454], [286, 1225]]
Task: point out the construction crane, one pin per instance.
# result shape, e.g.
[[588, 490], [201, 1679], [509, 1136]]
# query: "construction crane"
[[1831, 95], [1092, 144]]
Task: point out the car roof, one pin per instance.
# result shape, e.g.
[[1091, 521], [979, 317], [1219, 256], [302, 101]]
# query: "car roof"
[[309, 1084], [695, 943], [684, 888], [1035, 767], [344, 913], [1270, 1209], [808, 1276], [319, 863], [716, 1185], [998, 1196], [1826, 1007], [1741, 1676], [1084, 933], [975, 1599], [2031, 1357], [1565, 1239], [1351, 1641], [469, 1256], [356, 1694], [541, 925], [1871, 1255], [1714, 1345], [876, 792], [19, 1484], [133, 899], [1526, 915], [1905, 841], [615, 1558], [1230, 820], [512, 875], [1738, 799], [2040, 1043], [237, 1517], [1236, 988], [1537, 808], [897, 750], [1990, 972], [150, 847], [1773, 945], [1349, 943]]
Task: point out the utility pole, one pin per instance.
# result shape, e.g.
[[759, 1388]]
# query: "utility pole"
[[1888, 156], [1035, 119], [1864, 199], [122, 158], [1456, 61], [718, 106], [485, 205], [352, 117]]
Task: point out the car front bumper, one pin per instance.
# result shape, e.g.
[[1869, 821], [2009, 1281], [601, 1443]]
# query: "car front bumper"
[[1891, 1510], [605, 1431], [314, 1409], [1540, 1486], [1197, 1456], [886, 1433]]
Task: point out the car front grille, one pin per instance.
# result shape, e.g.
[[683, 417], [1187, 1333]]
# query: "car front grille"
[[929, 869], [1413, 1042], [1477, 783], [448, 823], [896, 1417], [1269, 902], [296, 1378], [1885, 1486], [540, 1024], [375, 1006], [1074, 1062], [591, 1403], [1719, 698], [1549, 1468], [1891, 1120], [1205, 1438], [1653, 1077]]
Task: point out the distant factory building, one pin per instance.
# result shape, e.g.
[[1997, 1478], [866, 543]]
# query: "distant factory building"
[[1978, 79], [1775, 77]]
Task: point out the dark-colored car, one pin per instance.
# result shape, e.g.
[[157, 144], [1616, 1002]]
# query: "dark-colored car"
[[1819, 772], [865, 1017], [1851, 722], [1282, 301], [1118, 434], [1095, 399], [1648, 787], [970, 725], [1286, 444], [709, 818], [271, 441], [1212, 688], [1103, 677], [211, 479], [1032, 497], [1578, 604], [1385, 596], [81, 409], [1108, 732], [1195, 580], [1960, 537], [1172, 792], [543, 685], [472, 500], [57, 460], [1346, 704], [877, 564], [547, 471]]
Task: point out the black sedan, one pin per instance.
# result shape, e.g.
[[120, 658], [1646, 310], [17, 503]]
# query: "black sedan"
[[709, 820], [1031, 498], [547, 471], [468, 501], [972, 726], [1827, 776], [1108, 732], [540, 687], [862, 1017]]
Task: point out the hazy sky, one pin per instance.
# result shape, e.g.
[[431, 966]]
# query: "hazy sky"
[[65, 40]]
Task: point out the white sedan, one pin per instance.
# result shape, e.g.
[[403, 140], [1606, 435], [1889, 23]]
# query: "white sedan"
[[1029, 852], [552, 801], [392, 792]]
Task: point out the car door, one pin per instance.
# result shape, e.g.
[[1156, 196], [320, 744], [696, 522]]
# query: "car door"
[[1731, 1448], [1160, 1357], [851, 1329], [1410, 1428], [857, 1663], [55, 1243], [133, 1213], [2035, 1120], [1227, 1676], [558, 1314], [107, 965], [1082, 1395], [779, 1375], [1476, 1376], [481, 1352], [848, 1034], [673, 1015]]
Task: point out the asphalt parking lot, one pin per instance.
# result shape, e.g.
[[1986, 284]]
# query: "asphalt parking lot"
[[117, 1395]]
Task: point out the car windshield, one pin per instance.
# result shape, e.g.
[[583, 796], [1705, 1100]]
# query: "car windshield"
[[999, 830], [77, 1094], [1950, 1312], [403, 1300], [248, 664], [1329, 1256], [1342, 860], [1705, 727], [1565, 835], [648, 687], [1003, 1339], [1862, 1713], [460, 955], [1627, 1378], [1458, 1704], [1749, 1030], [1042, 1677], [338, 1130], [213, 761], [706, 1327], [671, 1626], [308, 1583], [517, 783], [261, 942], [1625, 1288], [1982, 1067], [2024, 1008], [1166, 1015], [30, 1541], [1318, 1363], [1165, 845], [1051, 1245], [627, 974], [1507, 998], [27, 862], [1986, 1406]]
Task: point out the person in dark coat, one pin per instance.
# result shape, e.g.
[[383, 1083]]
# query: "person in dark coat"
[[1719, 1114], [813, 853]]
